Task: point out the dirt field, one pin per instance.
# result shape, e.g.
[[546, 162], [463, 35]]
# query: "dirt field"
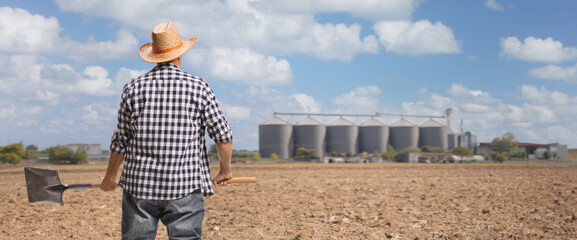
[[329, 201]]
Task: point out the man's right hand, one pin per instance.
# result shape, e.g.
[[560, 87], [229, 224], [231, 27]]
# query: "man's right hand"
[[221, 179]]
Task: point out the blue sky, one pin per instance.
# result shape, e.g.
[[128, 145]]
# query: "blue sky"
[[501, 65]]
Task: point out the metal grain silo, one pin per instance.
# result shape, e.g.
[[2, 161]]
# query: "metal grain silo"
[[275, 136], [453, 140], [342, 137], [434, 134], [309, 133], [373, 136], [403, 134]]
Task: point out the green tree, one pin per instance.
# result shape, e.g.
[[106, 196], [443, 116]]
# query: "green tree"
[[304, 154], [431, 149], [31, 152], [256, 156], [390, 153], [79, 157], [547, 154], [506, 143], [410, 149], [501, 157], [12, 153], [462, 151], [63, 155], [273, 156]]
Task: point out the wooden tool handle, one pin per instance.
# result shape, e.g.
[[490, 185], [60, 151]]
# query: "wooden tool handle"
[[242, 180]]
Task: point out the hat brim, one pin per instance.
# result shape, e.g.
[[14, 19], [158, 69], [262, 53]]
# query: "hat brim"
[[148, 55]]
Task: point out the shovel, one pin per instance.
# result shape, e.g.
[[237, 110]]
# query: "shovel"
[[44, 185]]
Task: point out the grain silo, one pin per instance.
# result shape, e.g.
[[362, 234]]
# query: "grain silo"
[[275, 136], [310, 134], [453, 140], [433, 134], [403, 134], [342, 137], [373, 136]]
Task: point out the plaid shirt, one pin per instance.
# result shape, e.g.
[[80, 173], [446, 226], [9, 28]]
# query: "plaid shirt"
[[161, 126]]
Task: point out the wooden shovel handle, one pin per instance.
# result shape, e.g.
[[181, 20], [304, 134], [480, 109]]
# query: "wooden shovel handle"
[[232, 180], [242, 180]]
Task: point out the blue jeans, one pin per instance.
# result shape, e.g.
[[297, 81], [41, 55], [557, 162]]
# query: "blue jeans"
[[182, 217]]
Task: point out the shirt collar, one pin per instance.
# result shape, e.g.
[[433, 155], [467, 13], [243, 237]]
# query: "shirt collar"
[[166, 65]]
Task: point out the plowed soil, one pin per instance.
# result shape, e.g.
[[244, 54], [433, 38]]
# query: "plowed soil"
[[328, 201]]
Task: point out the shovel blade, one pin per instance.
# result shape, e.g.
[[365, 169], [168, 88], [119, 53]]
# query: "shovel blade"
[[43, 186]]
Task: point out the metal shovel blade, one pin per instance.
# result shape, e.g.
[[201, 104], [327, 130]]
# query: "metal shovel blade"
[[44, 186]]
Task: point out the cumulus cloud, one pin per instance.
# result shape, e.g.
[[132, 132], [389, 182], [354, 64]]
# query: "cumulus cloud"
[[123, 47], [492, 4], [264, 26], [539, 112], [416, 38], [236, 112], [33, 79], [94, 81], [536, 50], [241, 65], [27, 33], [555, 72], [557, 101], [306, 103], [364, 99]]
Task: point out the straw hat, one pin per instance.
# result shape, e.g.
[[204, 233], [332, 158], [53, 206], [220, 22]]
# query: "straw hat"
[[166, 44]]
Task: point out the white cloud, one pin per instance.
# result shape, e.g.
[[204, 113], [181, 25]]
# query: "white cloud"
[[540, 112], [94, 81], [554, 72], [33, 79], [266, 27], [240, 65], [557, 101], [306, 103], [123, 47], [364, 99], [27, 33], [492, 4], [537, 50], [236, 112], [416, 38], [23, 32]]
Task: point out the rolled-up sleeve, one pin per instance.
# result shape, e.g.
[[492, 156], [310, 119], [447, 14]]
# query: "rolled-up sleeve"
[[122, 134], [216, 124]]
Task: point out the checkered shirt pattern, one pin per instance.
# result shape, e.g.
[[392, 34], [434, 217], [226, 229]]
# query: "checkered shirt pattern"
[[162, 120]]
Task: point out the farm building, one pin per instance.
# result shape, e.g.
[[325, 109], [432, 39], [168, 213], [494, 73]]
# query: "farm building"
[[533, 150]]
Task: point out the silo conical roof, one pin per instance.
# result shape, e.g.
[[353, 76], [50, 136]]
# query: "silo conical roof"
[[341, 122], [403, 123], [372, 123], [308, 121], [432, 123], [275, 121]]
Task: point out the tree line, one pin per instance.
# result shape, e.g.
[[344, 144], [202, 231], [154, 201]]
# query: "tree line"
[[15, 153]]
